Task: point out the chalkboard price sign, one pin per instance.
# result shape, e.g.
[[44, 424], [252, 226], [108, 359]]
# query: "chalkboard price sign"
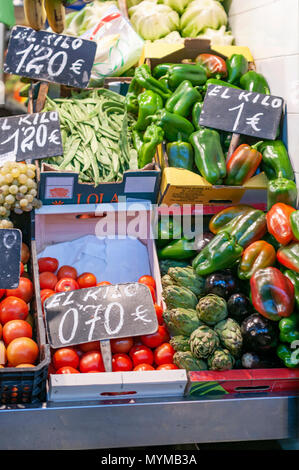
[[99, 313], [51, 57], [30, 136], [241, 112], [10, 259]]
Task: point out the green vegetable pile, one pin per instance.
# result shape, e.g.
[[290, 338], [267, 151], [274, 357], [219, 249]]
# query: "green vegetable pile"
[[96, 136]]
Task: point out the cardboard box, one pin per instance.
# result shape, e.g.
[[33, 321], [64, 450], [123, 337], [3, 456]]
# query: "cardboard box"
[[55, 225], [62, 187]]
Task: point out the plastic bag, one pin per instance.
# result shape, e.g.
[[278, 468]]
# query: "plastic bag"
[[119, 47]]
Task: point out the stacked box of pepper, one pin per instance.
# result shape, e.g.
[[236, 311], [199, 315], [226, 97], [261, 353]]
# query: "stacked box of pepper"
[[238, 279], [167, 102]]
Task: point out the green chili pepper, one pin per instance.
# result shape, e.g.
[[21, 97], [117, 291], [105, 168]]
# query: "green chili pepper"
[[178, 250], [253, 81], [182, 99], [236, 65], [169, 228], [289, 328], [215, 81], [294, 221], [294, 278], [145, 80], [161, 70], [137, 137], [148, 104], [196, 111], [153, 136], [177, 73], [290, 357], [131, 101]]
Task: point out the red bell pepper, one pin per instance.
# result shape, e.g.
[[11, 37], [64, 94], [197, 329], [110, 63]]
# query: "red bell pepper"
[[278, 222], [242, 164], [257, 255], [288, 256], [215, 66], [272, 293]]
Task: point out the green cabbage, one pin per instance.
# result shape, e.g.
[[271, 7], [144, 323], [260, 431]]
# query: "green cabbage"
[[218, 37], [171, 38], [177, 5], [153, 21], [201, 14]]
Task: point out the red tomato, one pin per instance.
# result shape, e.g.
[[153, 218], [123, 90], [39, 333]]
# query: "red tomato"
[[153, 293], [65, 357], [25, 253], [141, 355], [22, 351], [47, 280], [155, 339], [91, 346], [121, 345], [121, 362], [67, 370], [104, 283], [163, 354], [45, 294], [148, 281], [142, 367], [12, 308], [21, 268], [47, 265], [1, 331], [16, 329], [25, 365], [24, 290], [167, 367], [67, 271], [66, 284], [159, 313], [2, 292], [87, 280], [91, 361]]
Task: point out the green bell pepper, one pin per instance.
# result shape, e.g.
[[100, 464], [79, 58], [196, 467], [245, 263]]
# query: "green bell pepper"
[[281, 190], [289, 328], [209, 158], [196, 111], [146, 80], [177, 73], [220, 253], [182, 99], [169, 229], [294, 278], [178, 250], [131, 98], [152, 137], [294, 221], [253, 81], [236, 65], [180, 155], [148, 104], [290, 357], [160, 70], [175, 127], [276, 162]]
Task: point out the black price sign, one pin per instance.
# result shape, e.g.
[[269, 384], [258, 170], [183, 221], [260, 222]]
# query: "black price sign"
[[51, 57], [99, 313], [241, 112], [10, 259], [30, 136]]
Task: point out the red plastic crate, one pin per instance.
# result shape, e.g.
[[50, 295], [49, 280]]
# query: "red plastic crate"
[[208, 382]]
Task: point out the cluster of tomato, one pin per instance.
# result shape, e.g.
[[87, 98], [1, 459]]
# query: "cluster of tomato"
[[17, 348], [148, 352]]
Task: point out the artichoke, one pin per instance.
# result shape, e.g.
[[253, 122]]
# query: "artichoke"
[[187, 277], [203, 341], [177, 296], [172, 329], [166, 281], [183, 320], [165, 264], [185, 360], [229, 332], [180, 343], [221, 359], [211, 309]]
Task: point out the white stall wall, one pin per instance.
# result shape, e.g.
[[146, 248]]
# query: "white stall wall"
[[270, 28]]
